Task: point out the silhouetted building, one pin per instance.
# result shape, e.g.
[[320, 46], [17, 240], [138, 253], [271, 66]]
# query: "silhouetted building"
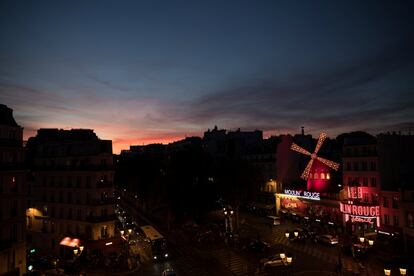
[[12, 195], [72, 190]]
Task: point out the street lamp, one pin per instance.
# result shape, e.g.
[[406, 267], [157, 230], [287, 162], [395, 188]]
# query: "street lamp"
[[362, 239], [282, 255], [75, 251], [287, 234], [122, 232], [296, 233], [371, 242], [289, 260], [387, 271], [129, 230], [403, 271]]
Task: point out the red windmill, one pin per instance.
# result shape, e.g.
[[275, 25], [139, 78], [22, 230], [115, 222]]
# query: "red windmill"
[[313, 156]]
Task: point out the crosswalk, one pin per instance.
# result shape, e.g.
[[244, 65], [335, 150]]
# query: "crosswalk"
[[184, 264], [329, 255], [237, 264]]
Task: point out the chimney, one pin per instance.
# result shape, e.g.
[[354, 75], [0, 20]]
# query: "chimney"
[[303, 130]]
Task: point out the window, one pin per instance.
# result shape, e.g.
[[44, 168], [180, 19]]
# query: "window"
[[374, 198], [385, 202], [69, 197], [13, 183], [316, 176], [395, 200], [364, 166], [366, 197], [386, 219], [356, 166], [78, 181], [356, 152], [350, 181], [365, 181], [322, 176], [396, 221], [348, 166], [328, 176], [373, 182], [104, 231], [356, 181], [14, 233], [88, 181], [373, 166], [13, 209], [79, 214]]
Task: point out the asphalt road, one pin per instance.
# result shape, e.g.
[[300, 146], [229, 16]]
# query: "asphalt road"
[[188, 258]]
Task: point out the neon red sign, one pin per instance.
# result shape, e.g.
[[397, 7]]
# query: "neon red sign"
[[360, 210], [364, 220]]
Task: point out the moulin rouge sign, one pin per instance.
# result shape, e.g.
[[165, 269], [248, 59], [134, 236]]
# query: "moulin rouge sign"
[[360, 210], [303, 194]]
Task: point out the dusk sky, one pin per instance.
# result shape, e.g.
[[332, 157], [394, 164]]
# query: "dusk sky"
[[156, 71]]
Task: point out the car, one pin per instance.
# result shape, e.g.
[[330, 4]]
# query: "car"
[[168, 272], [273, 261], [297, 235], [274, 221], [258, 246], [326, 239]]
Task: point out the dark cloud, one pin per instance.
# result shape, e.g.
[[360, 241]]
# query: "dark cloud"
[[343, 97]]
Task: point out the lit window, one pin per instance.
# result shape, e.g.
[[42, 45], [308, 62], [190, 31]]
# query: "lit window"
[[316, 176], [328, 176], [322, 176]]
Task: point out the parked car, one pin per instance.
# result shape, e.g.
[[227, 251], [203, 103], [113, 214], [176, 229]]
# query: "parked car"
[[273, 261], [168, 272], [300, 235], [258, 246], [326, 239]]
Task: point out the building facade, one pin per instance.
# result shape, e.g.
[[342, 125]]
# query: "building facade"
[[362, 185], [12, 195], [72, 191]]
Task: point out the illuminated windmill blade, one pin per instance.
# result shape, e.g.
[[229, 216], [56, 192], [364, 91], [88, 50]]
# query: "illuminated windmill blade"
[[305, 174], [299, 149], [321, 139], [328, 163]]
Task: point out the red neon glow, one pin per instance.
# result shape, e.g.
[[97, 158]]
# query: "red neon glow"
[[319, 177], [360, 210], [313, 156], [363, 220]]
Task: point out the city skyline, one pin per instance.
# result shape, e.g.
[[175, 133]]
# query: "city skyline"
[[142, 72]]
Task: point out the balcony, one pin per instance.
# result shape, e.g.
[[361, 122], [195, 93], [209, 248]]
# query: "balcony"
[[101, 218]]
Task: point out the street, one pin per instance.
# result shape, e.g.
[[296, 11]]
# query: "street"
[[218, 258]]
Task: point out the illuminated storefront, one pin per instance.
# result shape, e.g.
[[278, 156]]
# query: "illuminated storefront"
[[308, 205], [359, 217]]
